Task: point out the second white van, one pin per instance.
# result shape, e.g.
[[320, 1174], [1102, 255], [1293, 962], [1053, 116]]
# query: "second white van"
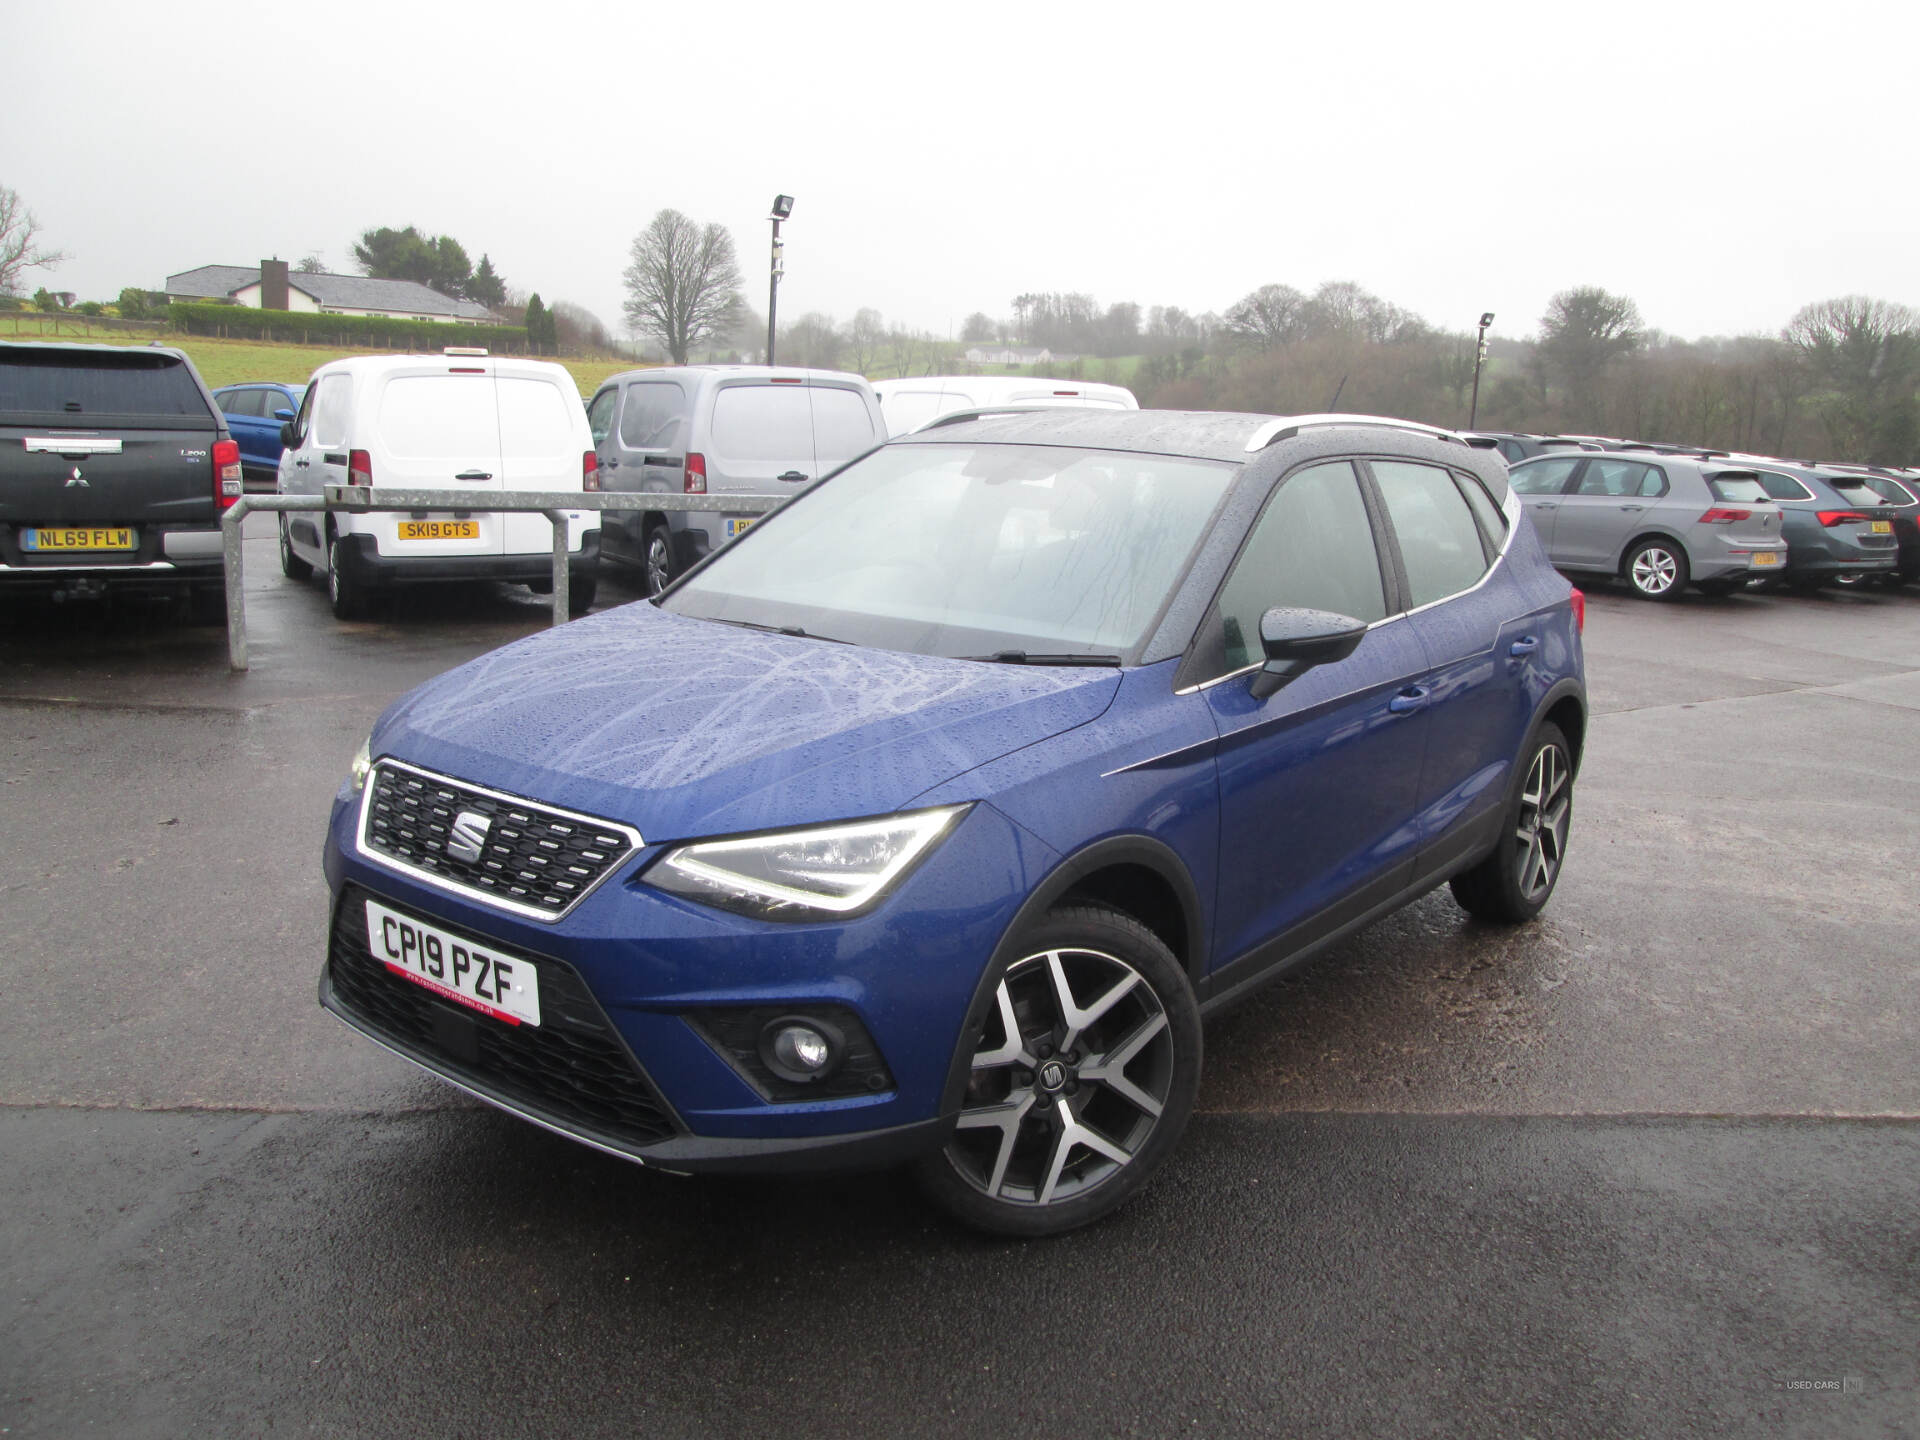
[[919, 400]]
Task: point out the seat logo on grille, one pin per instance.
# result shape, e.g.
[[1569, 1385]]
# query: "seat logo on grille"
[[468, 836]]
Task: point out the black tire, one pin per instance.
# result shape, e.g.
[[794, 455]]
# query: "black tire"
[[291, 565], [656, 557], [346, 592], [1656, 570], [1074, 1100], [580, 591], [1517, 879]]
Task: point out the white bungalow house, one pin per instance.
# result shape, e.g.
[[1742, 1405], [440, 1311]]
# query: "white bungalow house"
[[270, 285], [988, 353]]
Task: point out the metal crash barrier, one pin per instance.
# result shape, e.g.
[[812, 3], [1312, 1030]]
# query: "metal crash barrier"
[[358, 499]]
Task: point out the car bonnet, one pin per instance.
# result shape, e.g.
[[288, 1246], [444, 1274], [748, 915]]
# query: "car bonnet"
[[686, 728]]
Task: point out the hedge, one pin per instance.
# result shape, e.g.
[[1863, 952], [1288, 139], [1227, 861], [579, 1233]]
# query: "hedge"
[[307, 327]]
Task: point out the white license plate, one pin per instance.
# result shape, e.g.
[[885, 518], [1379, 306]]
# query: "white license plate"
[[1763, 558], [479, 977], [734, 527]]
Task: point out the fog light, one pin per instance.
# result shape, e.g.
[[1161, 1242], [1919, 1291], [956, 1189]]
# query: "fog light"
[[801, 1049]]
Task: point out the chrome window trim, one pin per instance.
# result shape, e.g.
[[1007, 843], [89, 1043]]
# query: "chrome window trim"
[[1805, 493], [1510, 507], [475, 892]]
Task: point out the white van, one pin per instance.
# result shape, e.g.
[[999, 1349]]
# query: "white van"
[[919, 400], [463, 422]]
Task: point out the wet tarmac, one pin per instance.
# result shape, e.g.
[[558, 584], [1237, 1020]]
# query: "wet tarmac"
[[1645, 1166]]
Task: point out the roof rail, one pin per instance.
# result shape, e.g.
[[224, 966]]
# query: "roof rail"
[[1288, 426], [955, 417]]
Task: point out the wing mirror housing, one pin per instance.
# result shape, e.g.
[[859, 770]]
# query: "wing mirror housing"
[[1297, 640], [286, 431], [283, 415]]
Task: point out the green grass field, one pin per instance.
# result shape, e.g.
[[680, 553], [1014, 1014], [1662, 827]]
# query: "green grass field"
[[230, 362]]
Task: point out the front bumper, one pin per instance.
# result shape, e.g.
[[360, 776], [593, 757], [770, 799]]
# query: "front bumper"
[[633, 970]]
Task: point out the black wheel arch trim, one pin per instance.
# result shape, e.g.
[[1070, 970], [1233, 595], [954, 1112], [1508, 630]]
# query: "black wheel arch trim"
[[1140, 850]]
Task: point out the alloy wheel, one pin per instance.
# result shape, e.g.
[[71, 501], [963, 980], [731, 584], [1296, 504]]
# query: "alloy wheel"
[[1069, 1083], [1654, 571], [1546, 806], [659, 561]]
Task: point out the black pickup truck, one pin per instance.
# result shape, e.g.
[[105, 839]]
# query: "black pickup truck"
[[115, 466]]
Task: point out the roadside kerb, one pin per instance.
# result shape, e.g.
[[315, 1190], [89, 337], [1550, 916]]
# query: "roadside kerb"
[[552, 504]]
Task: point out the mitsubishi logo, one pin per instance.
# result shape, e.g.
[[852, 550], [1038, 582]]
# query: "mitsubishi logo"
[[77, 479], [468, 838]]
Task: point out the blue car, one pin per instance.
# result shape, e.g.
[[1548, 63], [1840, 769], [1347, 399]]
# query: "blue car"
[[255, 414], [925, 822]]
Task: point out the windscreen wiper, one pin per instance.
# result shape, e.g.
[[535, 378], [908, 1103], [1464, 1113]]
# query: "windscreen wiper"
[[1022, 657], [793, 630]]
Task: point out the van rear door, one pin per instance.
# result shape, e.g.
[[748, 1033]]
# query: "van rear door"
[[436, 426], [543, 445], [846, 423]]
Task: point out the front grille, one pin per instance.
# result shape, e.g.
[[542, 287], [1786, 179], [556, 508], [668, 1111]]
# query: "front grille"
[[571, 1068], [533, 858]]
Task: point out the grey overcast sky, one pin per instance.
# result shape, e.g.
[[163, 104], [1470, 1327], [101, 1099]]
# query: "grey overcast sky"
[[1723, 164]]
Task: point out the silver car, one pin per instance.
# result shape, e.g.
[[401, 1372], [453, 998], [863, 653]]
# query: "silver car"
[[1659, 522]]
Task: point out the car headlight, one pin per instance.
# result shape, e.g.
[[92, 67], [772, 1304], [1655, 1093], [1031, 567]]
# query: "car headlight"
[[803, 874], [362, 765]]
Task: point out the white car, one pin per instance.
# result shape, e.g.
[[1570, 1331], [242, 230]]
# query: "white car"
[[463, 422], [918, 400]]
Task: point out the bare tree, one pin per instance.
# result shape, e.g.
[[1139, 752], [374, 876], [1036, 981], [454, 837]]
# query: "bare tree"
[[1867, 353], [311, 265], [1268, 317], [683, 283], [866, 338], [20, 249], [1583, 331]]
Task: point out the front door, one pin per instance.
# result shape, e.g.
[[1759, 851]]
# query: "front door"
[[1539, 484], [1605, 510], [1317, 780]]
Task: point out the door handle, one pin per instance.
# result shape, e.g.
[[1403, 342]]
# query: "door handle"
[[791, 476], [300, 464], [1633, 507], [1550, 505], [612, 464], [474, 475], [1525, 645], [1413, 698]]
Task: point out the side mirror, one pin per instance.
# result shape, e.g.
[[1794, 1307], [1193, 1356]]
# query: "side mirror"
[[286, 431], [283, 415], [1297, 640]]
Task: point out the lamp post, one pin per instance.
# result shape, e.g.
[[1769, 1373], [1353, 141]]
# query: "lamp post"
[[1479, 354], [782, 207]]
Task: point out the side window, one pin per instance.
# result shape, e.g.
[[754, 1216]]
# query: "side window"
[[842, 428], [1513, 450], [1783, 487], [600, 415], [1542, 477], [234, 402], [1493, 522], [650, 417], [303, 422], [1439, 543], [1620, 477], [1312, 547], [330, 411]]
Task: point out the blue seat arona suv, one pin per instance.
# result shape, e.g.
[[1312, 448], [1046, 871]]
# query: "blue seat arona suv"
[[925, 822]]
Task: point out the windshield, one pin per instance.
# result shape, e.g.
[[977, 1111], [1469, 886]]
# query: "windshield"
[[971, 550]]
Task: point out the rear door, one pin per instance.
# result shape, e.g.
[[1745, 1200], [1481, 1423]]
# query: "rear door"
[[846, 424], [435, 426], [541, 447], [760, 443], [1603, 510], [644, 448]]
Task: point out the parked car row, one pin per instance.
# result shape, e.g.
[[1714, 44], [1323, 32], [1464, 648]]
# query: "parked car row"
[[1665, 518]]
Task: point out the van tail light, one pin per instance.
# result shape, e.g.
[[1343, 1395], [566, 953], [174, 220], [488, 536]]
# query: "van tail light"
[[1831, 518], [1579, 610], [1718, 516], [694, 479], [359, 468], [228, 483], [589, 470]]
